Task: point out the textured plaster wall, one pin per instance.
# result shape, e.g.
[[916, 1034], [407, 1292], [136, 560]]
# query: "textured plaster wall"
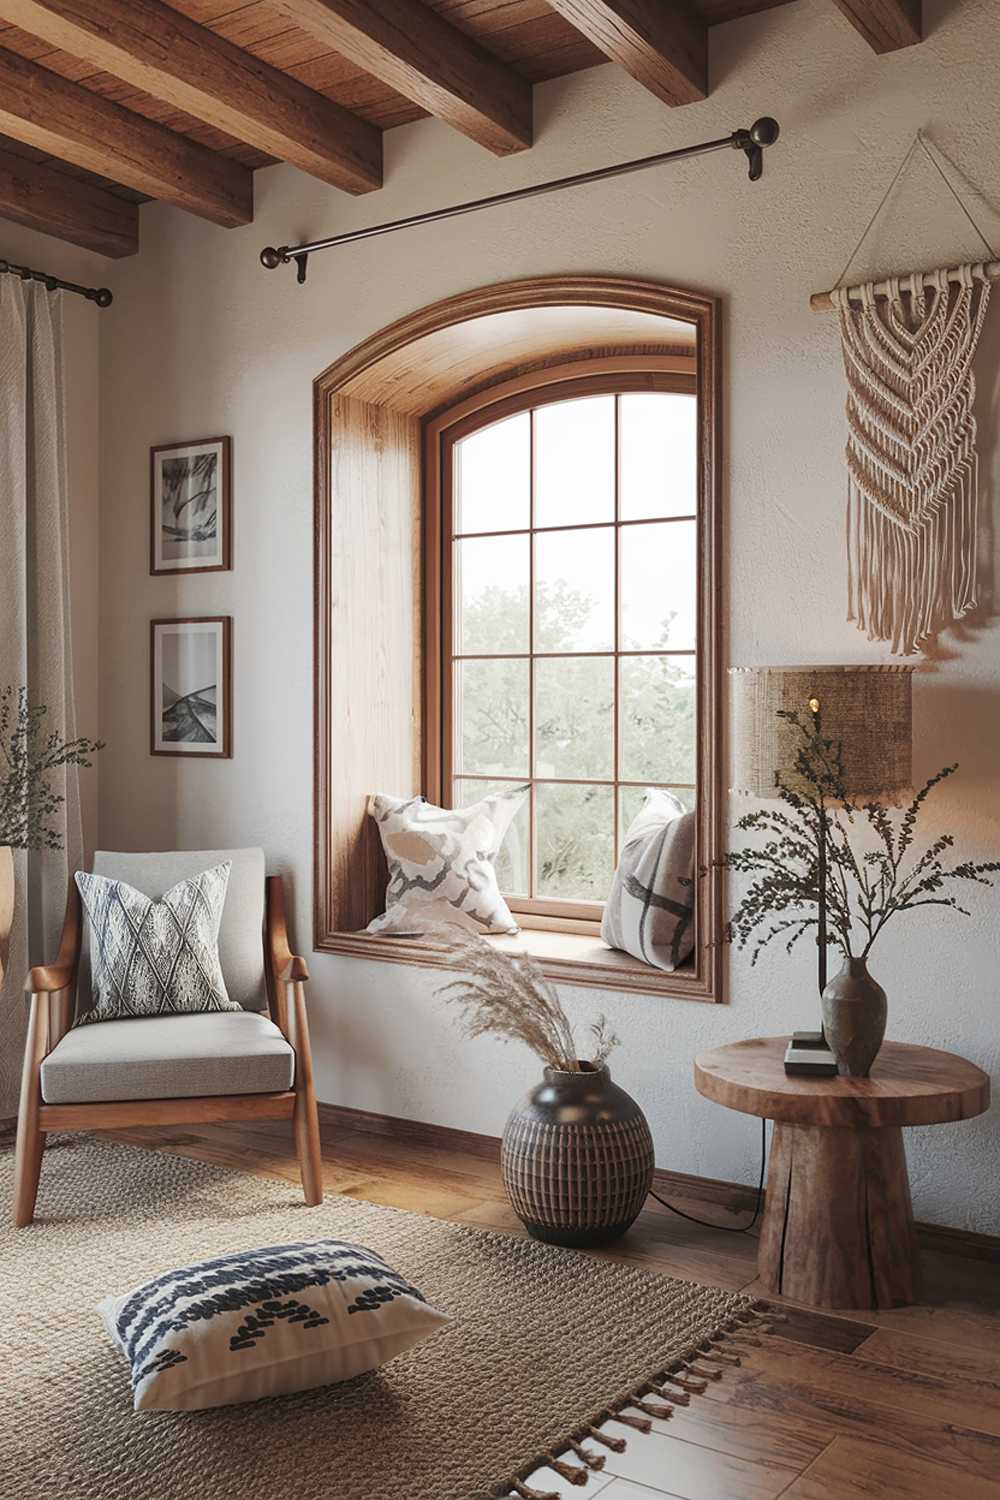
[[81, 339], [201, 340]]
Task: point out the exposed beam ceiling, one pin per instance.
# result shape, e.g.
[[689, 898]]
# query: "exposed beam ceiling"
[[35, 195], [886, 25], [422, 56], [161, 51], [662, 43], [67, 121]]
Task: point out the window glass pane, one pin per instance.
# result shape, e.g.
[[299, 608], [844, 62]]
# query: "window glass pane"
[[631, 802], [659, 455], [491, 717], [574, 716], [659, 586], [575, 590], [658, 723], [513, 861], [493, 477], [575, 462], [491, 594], [574, 841]]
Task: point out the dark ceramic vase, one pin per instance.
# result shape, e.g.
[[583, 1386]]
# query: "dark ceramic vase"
[[854, 1012], [577, 1158]]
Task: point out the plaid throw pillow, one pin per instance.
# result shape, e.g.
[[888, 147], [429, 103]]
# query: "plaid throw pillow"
[[650, 911], [154, 958]]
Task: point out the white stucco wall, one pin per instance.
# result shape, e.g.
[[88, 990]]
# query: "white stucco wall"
[[201, 340]]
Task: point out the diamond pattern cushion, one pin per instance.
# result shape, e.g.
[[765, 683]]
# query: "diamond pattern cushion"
[[153, 958]]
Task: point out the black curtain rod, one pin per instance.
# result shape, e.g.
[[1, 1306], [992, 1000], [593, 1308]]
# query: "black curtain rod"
[[763, 132], [99, 294]]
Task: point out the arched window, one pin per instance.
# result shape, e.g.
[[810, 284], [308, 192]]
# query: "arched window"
[[517, 554]]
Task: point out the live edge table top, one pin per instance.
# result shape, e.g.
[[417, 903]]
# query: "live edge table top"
[[908, 1086]]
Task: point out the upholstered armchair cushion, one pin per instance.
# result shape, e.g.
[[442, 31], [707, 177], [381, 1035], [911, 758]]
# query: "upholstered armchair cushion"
[[241, 947], [168, 1057]]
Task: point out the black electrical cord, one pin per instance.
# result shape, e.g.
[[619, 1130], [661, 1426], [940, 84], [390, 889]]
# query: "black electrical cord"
[[727, 1228]]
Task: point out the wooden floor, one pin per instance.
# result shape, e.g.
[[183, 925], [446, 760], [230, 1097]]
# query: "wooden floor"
[[897, 1404]]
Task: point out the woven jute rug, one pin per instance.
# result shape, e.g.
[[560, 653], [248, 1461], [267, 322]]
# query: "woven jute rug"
[[544, 1343]]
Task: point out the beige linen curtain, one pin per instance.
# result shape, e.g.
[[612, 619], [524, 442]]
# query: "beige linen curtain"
[[34, 618]]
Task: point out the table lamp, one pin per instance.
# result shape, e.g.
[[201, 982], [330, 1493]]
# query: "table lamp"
[[866, 709]]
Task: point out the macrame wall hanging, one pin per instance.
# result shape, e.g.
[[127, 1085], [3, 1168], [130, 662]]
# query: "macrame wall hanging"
[[912, 470]]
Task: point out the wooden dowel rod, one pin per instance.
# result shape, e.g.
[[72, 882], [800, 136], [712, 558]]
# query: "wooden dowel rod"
[[821, 301]]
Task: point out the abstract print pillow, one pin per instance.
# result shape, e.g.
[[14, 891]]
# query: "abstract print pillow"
[[154, 958], [650, 911], [441, 863], [264, 1322]]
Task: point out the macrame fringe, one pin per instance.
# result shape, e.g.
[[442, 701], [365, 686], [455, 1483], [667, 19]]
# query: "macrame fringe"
[[913, 474], [673, 1387]]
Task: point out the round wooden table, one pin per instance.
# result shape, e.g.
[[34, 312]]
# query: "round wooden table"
[[838, 1222]]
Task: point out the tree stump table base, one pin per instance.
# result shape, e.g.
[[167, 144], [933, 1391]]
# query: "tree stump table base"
[[838, 1223], [838, 1226]]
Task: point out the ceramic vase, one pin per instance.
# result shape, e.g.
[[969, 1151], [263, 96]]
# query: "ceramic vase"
[[854, 1012], [577, 1158]]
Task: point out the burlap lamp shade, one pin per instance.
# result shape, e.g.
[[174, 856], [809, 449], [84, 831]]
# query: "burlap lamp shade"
[[866, 709]]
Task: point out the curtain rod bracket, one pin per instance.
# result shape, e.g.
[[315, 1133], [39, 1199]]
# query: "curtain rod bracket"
[[753, 142]]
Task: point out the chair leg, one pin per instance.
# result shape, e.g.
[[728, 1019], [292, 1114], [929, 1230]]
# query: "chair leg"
[[30, 1139], [306, 1120]]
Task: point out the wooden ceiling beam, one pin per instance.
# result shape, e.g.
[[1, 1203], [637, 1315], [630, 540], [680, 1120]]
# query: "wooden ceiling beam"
[[886, 25], [72, 123], [662, 43], [167, 55], [32, 194], [423, 57]]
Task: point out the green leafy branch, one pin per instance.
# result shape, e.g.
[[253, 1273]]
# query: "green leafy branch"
[[29, 754], [864, 892]]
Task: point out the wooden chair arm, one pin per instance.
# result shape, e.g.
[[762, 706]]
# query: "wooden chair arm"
[[46, 979], [286, 967]]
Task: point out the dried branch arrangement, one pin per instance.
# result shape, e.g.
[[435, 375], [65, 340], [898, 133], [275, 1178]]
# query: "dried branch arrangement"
[[28, 757], [508, 996], [864, 891]]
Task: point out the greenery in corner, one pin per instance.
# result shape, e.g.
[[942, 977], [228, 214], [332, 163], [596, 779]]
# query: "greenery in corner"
[[29, 754], [864, 891], [508, 996]]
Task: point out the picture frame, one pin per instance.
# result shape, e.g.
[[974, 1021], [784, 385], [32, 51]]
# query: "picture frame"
[[190, 507], [190, 686]]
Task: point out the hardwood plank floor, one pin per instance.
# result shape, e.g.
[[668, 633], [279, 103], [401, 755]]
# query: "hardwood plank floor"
[[899, 1404]]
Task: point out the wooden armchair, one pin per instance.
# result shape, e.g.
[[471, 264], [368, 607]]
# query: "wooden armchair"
[[101, 1075]]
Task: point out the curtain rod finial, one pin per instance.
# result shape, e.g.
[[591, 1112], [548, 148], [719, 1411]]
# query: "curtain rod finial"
[[271, 259], [765, 131]]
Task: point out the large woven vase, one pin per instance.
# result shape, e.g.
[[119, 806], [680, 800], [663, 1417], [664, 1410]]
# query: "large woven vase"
[[577, 1158]]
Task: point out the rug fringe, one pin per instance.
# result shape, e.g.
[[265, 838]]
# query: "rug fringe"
[[686, 1376]]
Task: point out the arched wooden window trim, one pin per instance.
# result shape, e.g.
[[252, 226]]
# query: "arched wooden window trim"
[[381, 413]]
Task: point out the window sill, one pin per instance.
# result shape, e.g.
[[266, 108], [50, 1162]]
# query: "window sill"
[[566, 957]]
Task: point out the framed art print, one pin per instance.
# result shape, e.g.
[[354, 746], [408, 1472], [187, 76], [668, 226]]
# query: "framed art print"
[[191, 672], [190, 507]]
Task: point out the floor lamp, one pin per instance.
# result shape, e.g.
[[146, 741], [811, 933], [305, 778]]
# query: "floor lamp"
[[868, 711]]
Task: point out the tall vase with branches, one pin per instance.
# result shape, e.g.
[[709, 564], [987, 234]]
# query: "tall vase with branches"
[[30, 755], [809, 853]]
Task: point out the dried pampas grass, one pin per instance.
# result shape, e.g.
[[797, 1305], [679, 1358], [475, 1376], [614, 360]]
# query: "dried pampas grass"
[[508, 996]]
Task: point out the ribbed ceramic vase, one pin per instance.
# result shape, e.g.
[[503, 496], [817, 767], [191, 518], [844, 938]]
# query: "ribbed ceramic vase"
[[854, 1012], [577, 1158]]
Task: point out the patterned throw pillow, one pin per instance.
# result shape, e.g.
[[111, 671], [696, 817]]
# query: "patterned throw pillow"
[[264, 1322], [650, 911], [154, 958], [441, 864]]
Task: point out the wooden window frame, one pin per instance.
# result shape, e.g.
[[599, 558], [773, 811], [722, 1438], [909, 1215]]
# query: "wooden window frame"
[[441, 436], [567, 956]]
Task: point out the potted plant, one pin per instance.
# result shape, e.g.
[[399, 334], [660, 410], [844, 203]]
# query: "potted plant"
[[865, 887], [577, 1154], [29, 754]]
